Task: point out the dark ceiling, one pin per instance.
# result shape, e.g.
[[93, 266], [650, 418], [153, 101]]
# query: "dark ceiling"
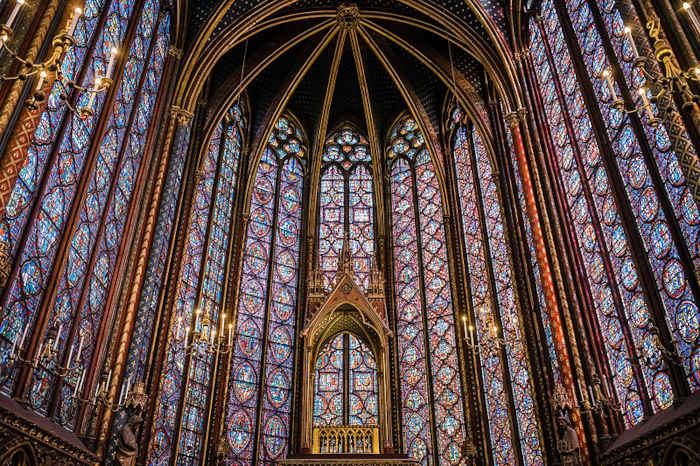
[[307, 100]]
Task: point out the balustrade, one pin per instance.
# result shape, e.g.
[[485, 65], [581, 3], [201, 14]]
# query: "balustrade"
[[346, 440]]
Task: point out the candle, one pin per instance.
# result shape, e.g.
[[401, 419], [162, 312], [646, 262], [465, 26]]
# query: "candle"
[[40, 81], [112, 61], [24, 336], [14, 346], [645, 102], [38, 354], [213, 336], [223, 323], [58, 337], [196, 320], [464, 324], [80, 345], [628, 33], [97, 389], [230, 333], [471, 335], [70, 356], [14, 13], [93, 93], [128, 386], [609, 81], [121, 394], [73, 21], [187, 334], [590, 393], [78, 383], [109, 378], [688, 8], [3, 39]]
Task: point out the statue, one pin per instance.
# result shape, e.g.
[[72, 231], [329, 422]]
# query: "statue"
[[567, 443], [127, 448]]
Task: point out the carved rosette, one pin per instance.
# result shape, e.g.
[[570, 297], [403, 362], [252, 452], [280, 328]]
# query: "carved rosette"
[[348, 16]]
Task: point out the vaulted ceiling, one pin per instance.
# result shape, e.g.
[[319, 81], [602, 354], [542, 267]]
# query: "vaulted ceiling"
[[396, 51]]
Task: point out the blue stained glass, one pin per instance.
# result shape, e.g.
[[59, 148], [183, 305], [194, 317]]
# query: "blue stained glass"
[[346, 174], [643, 200], [183, 314], [423, 235], [509, 315], [152, 287], [604, 211], [263, 350], [112, 167], [26, 289]]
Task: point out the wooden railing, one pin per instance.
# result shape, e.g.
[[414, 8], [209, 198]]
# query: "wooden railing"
[[346, 440]]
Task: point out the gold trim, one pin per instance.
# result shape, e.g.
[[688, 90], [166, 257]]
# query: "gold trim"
[[414, 106], [254, 73], [281, 104], [371, 129], [321, 135]]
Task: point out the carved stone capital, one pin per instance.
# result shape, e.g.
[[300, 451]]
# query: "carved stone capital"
[[513, 119], [182, 116], [174, 52]]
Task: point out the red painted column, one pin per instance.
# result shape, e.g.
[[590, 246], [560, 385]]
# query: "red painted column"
[[513, 120]]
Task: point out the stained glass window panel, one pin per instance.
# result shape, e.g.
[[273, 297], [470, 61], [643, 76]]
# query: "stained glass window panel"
[[492, 370], [264, 330], [423, 246], [346, 206]]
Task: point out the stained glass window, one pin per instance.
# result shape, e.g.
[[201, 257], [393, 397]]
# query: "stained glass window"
[[184, 394], [493, 299], [259, 401], [432, 414], [646, 196], [346, 206], [345, 383], [64, 200], [612, 274]]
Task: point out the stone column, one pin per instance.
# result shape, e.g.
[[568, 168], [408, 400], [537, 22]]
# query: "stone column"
[[513, 119], [176, 136]]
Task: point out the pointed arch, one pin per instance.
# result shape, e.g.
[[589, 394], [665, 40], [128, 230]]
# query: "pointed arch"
[[432, 411], [257, 413], [346, 204]]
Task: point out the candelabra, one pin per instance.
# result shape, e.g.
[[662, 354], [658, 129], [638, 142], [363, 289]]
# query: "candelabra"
[[491, 341], [600, 397], [44, 70], [129, 395], [652, 354], [672, 80], [46, 358], [203, 339]]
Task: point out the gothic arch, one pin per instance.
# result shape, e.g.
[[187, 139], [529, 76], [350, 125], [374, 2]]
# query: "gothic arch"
[[346, 309]]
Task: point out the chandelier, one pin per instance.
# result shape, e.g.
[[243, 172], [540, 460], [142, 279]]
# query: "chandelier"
[[40, 72], [671, 81]]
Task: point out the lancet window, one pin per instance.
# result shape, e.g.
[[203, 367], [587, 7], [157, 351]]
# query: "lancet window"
[[259, 400], [346, 388], [67, 215], [184, 394], [498, 336], [432, 412], [346, 206]]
